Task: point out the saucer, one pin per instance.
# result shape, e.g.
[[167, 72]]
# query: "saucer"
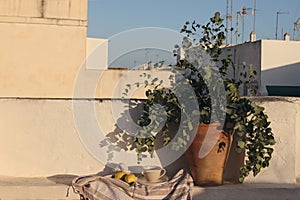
[[143, 180]]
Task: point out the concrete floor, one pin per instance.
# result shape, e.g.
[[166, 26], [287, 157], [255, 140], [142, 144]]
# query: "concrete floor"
[[56, 187]]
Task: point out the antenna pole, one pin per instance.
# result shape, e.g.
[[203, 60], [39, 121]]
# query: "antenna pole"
[[227, 21], [276, 34], [254, 16], [237, 27], [296, 27], [146, 54], [243, 27], [294, 33], [231, 22], [277, 14]]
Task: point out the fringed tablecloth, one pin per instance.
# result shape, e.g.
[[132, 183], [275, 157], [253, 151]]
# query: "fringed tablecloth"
[[178, 187]]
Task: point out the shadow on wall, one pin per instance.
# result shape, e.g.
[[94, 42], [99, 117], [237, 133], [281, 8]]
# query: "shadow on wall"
[[287, 75], [119, 140], [281, 81], [66, 179]]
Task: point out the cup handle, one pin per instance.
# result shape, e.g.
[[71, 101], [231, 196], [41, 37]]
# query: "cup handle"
[[163, 172]]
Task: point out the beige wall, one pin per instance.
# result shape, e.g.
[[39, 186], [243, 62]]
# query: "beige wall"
[[45, 142], [297, 128], [40, 56], [111, 83], [39, 139], [97, 53], [59, 9], [40, 61]]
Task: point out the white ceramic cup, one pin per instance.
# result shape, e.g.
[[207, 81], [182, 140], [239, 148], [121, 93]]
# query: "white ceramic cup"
[[153, 173]]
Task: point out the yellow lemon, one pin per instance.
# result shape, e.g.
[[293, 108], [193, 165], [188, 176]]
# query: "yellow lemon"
[[120, 175], [130, 178]]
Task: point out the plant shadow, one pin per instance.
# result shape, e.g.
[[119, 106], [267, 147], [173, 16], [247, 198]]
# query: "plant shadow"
[[122, 139]]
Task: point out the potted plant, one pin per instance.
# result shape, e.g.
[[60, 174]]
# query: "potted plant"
[[221, 112]]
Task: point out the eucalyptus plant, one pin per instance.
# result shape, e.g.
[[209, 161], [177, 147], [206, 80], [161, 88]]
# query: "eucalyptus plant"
[[243, 117]]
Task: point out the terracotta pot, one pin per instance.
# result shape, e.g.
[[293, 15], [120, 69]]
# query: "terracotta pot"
[[207, 166]]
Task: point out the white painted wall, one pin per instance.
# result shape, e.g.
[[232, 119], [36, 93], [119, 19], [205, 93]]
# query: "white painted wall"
[[246, 53], [279, 53], [283, 113]]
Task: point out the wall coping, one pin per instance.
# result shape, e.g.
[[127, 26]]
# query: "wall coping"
[[45, 21]]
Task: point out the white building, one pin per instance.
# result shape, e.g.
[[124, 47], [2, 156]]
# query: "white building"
[[277, 62]]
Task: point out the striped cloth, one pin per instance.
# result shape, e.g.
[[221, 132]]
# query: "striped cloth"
[[105, 188]]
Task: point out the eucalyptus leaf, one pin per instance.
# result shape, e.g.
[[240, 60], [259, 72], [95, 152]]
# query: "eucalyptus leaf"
[[241, 144]]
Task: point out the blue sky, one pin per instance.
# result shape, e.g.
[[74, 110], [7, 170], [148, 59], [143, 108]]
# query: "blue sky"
[[109, 17]]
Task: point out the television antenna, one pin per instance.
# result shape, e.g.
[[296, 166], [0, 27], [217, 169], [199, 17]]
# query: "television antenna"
[[277, 14], [243, 11], [228, 18], [296, 27]]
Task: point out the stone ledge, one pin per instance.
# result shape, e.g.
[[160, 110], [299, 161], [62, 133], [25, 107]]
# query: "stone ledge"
[[40, 20], [249, 191], [56, 187], [53, 188]]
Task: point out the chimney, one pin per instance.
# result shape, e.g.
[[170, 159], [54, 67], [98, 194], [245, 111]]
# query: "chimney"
[[252, 36], [287, 37], [180, 54]]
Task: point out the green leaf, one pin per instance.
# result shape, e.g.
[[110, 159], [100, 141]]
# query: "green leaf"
[[241, 144], [241, 127], [272, 142], [128, 85], [184, 133], [238, 150], [258, 167], [240, 133], [154, 80], [175, 147], [190, 126], [188, 137], [196, 112]]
